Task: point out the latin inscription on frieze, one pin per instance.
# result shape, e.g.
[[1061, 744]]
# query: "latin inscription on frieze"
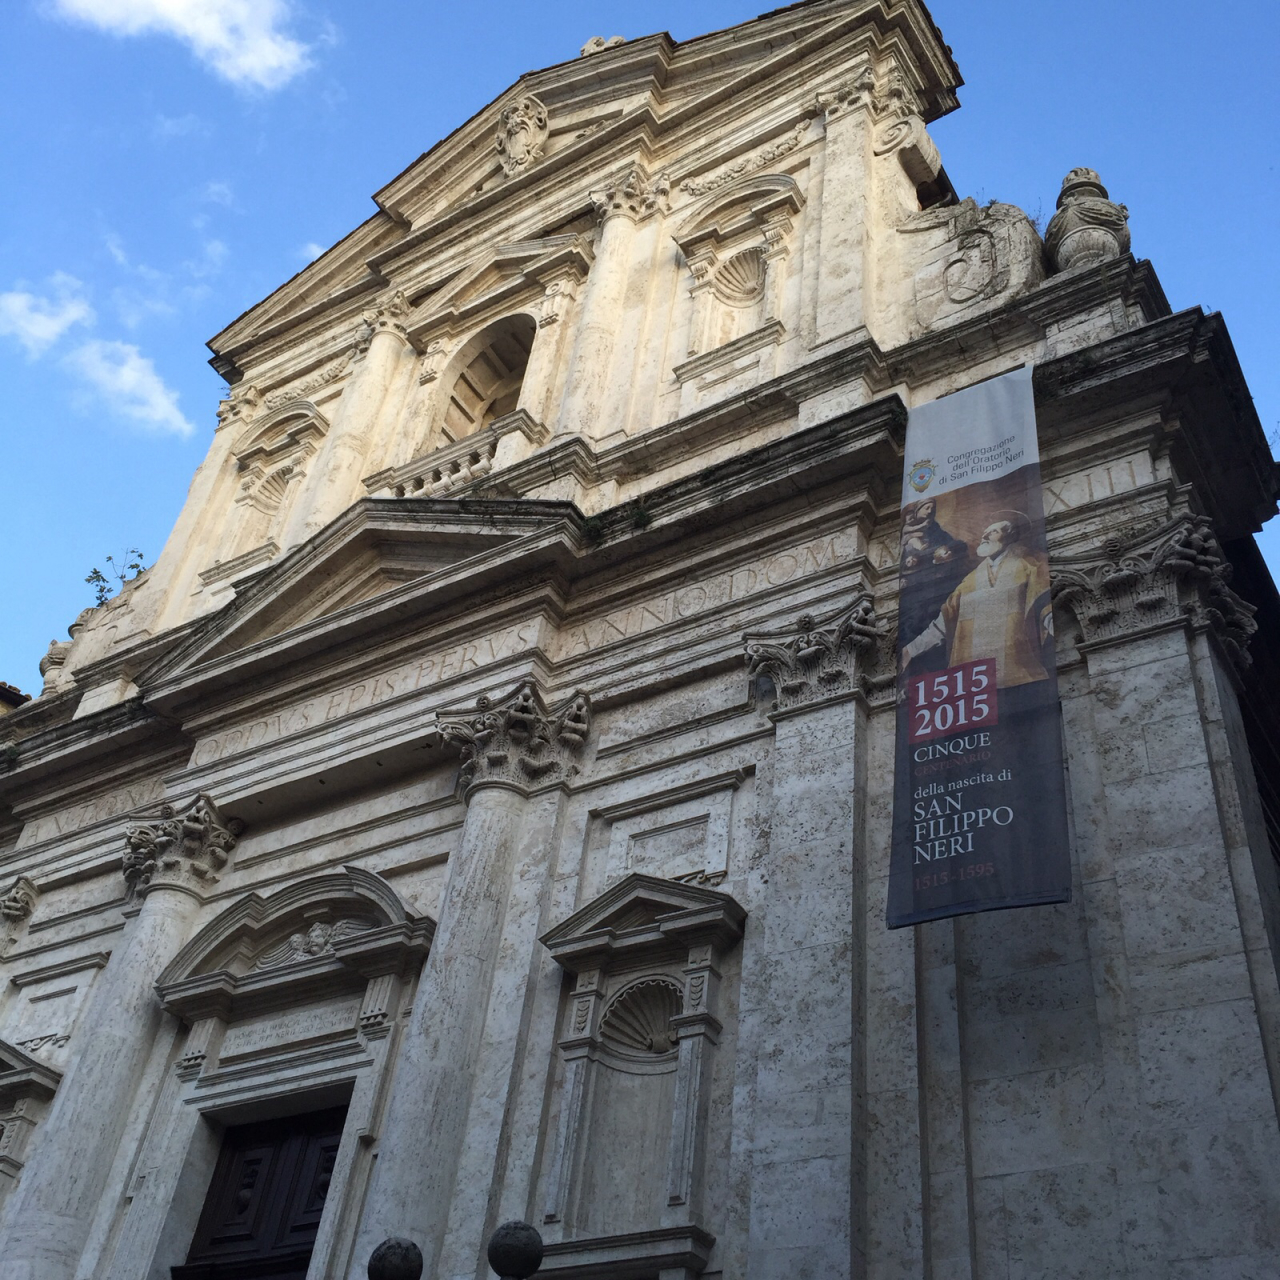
[[695, 598], [375, 689], [678, 605], [99, 809]]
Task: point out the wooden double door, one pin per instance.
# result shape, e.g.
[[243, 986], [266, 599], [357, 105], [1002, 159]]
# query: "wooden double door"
[[263, 1209]]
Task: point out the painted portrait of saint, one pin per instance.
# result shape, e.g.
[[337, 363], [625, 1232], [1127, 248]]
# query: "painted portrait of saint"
[[1001, 609]]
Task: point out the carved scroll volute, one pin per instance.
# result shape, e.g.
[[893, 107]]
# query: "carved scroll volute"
[[820, 657], [180, 849], [517, 742], [1173, 574]]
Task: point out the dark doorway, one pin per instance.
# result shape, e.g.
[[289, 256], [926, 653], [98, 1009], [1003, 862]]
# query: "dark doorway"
[[263, 1209]]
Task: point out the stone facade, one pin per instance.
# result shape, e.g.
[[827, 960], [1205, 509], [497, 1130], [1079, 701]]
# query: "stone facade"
[[501, 747]]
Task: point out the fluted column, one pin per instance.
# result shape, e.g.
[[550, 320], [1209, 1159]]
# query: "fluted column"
[[809, 1119], [169, 863], [333, 482], [515, 756], [621, 207]]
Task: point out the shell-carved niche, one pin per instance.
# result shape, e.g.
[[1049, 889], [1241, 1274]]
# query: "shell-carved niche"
[[271, 458], [735, 244], [637, 1051]]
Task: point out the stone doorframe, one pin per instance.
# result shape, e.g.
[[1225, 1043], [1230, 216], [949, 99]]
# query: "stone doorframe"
[[291, 1004]]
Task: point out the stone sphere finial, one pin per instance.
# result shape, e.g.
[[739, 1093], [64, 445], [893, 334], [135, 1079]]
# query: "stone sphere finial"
[[1089, 228], [396, 1259], [515, 1251]]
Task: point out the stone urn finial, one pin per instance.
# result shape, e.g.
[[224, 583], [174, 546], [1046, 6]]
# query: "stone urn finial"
[[1089, 228]]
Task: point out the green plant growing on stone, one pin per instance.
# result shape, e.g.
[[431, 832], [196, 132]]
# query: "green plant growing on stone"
[[105, 585]]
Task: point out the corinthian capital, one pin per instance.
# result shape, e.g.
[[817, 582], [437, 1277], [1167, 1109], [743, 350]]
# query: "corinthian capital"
[[387, 317], [634, 195], [179, 849], [818, 658], [1172, 574], [19, 902], [516, 741]]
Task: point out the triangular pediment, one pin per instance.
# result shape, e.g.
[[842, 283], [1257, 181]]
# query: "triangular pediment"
[[571, 126], [22, 1076], [643, 912], [498, 280], [375, 548]]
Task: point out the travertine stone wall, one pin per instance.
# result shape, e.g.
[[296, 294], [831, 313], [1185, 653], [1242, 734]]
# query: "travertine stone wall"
[[472, 743]]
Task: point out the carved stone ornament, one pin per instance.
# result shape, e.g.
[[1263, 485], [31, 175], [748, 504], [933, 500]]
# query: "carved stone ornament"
[[1088, 228], [517, 741], [388, 317], [750, 163], [179, 850], [887, 95], [51, 667], [634, 195], [301, 390], [522, 135], [970, 258], [317, 941], [819, 658], [240, 406], [19, 902], [1169, 574], [598, 44]]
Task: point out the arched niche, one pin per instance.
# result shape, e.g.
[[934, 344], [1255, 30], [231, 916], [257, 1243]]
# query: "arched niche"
[[484, 379], [735, 242], [272, 455], [638, 1036]]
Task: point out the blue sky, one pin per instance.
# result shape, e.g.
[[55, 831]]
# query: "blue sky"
[[170, 162]]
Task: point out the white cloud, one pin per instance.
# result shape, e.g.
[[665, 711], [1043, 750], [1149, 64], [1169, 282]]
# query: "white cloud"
[[241, 40], [36, 322], [219, 193], [129, 385], [167, 127], [311, 251]]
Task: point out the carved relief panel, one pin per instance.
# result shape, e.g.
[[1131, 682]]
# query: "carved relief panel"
[[639, 1031]]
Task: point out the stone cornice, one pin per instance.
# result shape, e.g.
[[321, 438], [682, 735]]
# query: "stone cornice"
[[634, 136]]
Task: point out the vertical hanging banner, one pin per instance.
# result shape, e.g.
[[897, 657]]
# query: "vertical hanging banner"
[[979, 811]]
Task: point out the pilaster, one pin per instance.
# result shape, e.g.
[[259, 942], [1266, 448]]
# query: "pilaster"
[[169, 864], [451, 1084], [631, 198], [383, 357], [802, 979]]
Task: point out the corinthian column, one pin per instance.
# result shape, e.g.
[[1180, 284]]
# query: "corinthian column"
[[441, 1137], [621, 207], [334, 480], [810, 1124], [169, 864]]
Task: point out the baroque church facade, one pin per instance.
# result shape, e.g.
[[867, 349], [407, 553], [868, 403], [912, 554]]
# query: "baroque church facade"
[[481, 810]]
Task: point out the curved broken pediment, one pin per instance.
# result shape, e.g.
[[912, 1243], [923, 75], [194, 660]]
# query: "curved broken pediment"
[[319, 936]]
